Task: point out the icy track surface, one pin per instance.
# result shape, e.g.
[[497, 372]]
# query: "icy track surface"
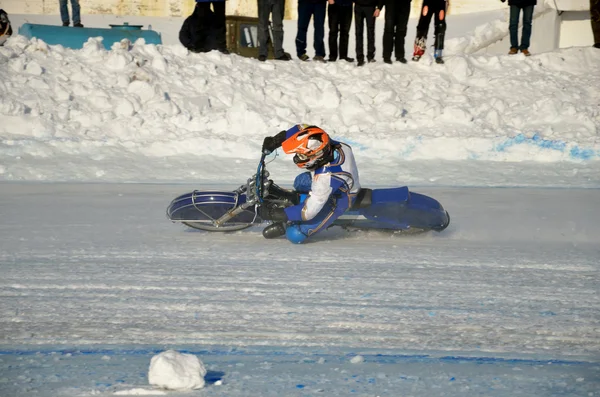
[[95, 280]]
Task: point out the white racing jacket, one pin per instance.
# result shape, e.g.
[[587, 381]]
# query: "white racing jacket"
[[338, 178]]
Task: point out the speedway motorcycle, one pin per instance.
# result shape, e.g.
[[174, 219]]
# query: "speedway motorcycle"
[[392, 209]]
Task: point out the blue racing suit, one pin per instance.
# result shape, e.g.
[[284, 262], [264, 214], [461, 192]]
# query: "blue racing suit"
[[333, 189]]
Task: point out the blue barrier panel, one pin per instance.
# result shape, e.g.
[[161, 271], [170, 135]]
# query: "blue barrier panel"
[[75, 38]]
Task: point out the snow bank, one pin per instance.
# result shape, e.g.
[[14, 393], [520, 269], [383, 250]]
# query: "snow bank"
[[93, 114]]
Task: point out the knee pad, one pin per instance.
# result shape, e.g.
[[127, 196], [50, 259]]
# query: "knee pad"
[[295, 235]]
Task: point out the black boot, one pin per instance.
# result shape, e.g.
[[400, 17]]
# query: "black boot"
[[274, 230]]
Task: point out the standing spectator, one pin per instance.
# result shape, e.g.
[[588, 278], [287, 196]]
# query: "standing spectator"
[[276, 8], [5, 28], [364, 13], [394, 32], [339, 13], [197, 33], [64, 13], [428, 9], [308, 9], [218, 21], [515, 9], [595, 17]]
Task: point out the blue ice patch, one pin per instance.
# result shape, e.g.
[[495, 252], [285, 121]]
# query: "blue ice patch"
[[535, 140]]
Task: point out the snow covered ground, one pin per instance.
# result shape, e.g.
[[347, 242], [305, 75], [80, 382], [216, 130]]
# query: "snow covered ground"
[[96, 281]]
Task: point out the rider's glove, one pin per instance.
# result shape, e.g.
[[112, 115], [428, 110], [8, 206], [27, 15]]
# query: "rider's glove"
[[268, 145], [271, 143], [270, 212]]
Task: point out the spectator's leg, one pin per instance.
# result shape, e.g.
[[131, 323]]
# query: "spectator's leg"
[[359, 20], [345, 16], [440, 29], [595, 17], [319, 22], [263, 27], [370, 19], [388, 29], [423, 29], [76, 12], [303, 21], [513, 26], [401, 26], [526, 35], [64, 11], [278, 12], [220, 27], [334, 18]]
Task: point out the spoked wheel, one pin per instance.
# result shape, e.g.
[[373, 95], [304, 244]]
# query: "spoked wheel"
[[210, 227]]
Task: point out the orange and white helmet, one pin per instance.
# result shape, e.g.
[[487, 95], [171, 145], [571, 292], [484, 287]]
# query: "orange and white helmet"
[[311, 145]]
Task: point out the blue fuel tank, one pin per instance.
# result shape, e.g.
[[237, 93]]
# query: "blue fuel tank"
[[75, 38]]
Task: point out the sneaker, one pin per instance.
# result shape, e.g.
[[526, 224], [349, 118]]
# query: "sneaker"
[[77, 25], [65, 23], [319, 58], [332, 59], [372, 60], [348, 59], [304, 58], [387, 60], [513, 51], [361, 63], [262, 58], [439, 60], [526, 52], [284, 57], [401, 60]]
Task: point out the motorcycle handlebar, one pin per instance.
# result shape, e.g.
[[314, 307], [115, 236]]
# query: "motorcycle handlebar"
[[259, 178]]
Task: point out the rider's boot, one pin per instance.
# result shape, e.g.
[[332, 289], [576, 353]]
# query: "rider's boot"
[[274, 230]]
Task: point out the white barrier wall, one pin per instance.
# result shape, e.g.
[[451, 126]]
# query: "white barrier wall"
[[575, 29], [180, 8], [552, 28]]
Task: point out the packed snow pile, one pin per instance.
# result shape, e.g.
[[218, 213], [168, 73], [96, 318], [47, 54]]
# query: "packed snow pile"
[[169, 113], [172, 370]]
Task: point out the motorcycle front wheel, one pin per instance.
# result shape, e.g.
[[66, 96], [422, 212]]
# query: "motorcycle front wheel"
[[208, 226]]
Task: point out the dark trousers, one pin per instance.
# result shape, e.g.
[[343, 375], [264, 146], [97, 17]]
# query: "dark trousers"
[[513, 26], [595, 17], [429, 9], [267, 8], [340, 19], [394, 32], [219, 21], [362, 15], [306, 10]]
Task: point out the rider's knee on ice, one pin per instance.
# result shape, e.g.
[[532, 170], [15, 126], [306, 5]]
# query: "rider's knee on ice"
[[294, 234]]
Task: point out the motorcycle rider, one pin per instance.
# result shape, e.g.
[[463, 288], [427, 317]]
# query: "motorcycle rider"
[[332, 190]]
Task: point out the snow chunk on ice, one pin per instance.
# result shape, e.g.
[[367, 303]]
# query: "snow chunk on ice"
[[140, 392], [357, 359], [176, 371]]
